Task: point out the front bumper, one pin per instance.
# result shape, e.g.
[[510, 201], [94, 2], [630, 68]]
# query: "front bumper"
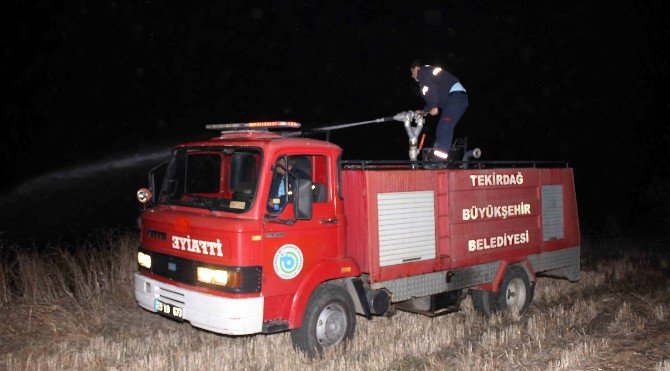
[[214, 313]]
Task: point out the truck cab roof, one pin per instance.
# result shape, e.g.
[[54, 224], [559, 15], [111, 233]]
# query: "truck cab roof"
[[269, 141]]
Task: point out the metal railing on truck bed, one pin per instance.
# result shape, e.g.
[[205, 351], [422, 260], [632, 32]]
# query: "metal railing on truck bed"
[[427, 165]]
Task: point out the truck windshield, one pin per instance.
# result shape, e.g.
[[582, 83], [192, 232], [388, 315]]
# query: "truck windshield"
[[215, 178]]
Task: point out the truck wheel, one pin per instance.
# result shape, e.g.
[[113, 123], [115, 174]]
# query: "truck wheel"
[[516, 291], [484, 301], [329, 320]]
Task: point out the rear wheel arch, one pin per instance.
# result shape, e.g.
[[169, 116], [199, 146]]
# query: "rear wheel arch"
[[504, 266], [529, 270], [514, 288]]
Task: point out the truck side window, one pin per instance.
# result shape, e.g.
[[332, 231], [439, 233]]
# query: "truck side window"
[[278, 197], [288, 168]]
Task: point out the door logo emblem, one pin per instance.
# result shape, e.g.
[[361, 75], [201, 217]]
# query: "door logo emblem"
[[288, 261]]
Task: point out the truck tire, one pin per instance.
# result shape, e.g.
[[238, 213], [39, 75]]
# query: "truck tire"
[[484, 302], [329, 320], [516, 291]]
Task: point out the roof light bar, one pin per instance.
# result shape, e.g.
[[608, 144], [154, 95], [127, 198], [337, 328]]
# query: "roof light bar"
[[255, 125]]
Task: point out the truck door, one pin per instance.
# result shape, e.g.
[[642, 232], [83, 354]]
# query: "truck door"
[[293, 247]]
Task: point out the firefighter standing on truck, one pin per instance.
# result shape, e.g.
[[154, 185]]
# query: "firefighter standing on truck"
[[440, 89]]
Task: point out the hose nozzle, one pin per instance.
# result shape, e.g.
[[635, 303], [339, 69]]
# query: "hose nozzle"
[[406, 116]]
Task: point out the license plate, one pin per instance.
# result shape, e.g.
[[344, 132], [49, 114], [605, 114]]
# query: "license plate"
[[169, 310]]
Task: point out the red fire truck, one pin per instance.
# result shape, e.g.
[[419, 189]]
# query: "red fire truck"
[[255, 232]]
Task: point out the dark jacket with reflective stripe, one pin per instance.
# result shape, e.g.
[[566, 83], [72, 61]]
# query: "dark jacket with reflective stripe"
[[435, 88]]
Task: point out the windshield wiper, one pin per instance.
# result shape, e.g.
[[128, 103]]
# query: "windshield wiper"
[[275, 219], [208, 203]]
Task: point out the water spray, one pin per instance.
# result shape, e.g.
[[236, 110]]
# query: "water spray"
[[49, 180]]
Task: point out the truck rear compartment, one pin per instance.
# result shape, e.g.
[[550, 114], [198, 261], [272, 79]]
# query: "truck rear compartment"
[[404, 223]]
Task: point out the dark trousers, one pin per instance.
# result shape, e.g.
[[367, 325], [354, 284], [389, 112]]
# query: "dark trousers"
[[452, 111]]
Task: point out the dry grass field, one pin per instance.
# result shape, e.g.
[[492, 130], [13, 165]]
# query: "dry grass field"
[[75, 309]]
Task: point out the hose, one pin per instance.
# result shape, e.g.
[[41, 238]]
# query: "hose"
[[344, 126], [402, 117]]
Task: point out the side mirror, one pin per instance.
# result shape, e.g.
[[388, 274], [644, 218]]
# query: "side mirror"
[[156, 176], [302, 199]]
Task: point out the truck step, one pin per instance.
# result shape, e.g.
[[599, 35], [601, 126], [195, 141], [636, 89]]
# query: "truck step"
[[432, 313]]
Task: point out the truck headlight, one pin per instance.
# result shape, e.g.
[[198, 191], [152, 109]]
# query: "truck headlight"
[[144, 260], [219, 277]]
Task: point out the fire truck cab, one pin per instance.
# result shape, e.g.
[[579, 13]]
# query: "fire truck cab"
[[253, 232]]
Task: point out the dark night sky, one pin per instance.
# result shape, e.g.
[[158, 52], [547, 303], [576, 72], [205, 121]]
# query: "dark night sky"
[[90, 82]]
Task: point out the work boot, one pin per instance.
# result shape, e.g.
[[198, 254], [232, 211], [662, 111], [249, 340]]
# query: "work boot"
[[440, 156], [437, 159]]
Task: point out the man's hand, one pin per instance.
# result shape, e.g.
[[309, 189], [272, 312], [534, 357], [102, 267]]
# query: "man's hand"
[[433, 111]]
